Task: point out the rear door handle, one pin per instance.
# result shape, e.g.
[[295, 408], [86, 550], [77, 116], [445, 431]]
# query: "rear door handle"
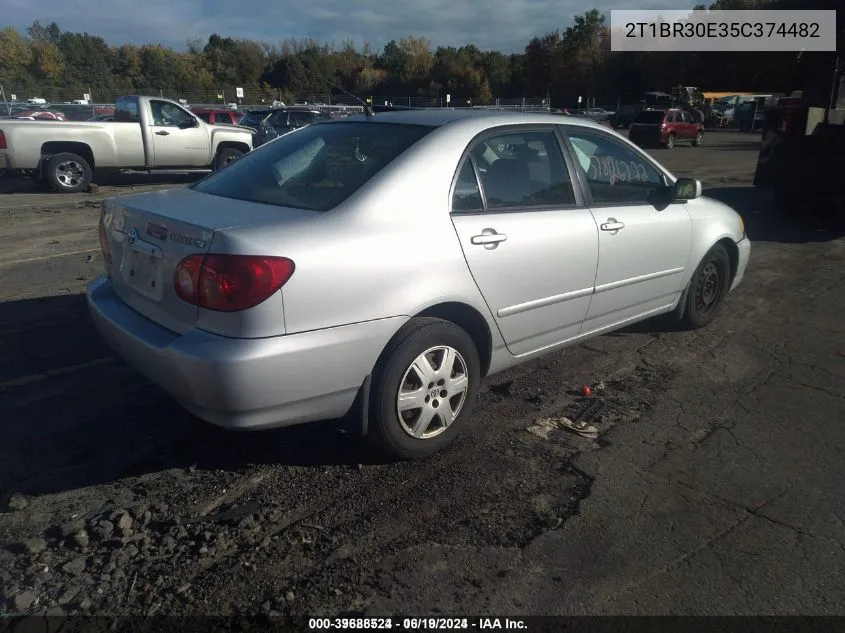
[[488, 238], [162, 133], [612, 225]]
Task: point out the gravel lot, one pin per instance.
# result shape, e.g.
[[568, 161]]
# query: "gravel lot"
[[715, 487]]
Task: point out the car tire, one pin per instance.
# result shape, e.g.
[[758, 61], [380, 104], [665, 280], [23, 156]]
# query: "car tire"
[[707, 289], [698, 140], [225, 156], [670, 141], [68, 173], [396, 373]]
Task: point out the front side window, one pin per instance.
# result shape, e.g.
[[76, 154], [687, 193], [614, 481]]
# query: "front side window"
[[168, 115], [205, 116], [523, 169], [315, 168], [615, 174]]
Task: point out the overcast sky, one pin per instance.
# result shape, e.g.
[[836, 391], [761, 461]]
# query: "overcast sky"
[[505, 25]]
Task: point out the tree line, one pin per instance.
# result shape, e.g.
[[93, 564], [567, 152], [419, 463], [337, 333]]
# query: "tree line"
[[558, 66]]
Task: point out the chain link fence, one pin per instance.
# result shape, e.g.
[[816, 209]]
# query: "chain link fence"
[[255, 98]]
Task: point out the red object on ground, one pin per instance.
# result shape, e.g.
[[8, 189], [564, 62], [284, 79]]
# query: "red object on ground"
[[587, 390]]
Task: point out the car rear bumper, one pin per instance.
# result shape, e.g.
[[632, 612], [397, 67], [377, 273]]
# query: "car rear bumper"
[[744, 248], [245, 383]]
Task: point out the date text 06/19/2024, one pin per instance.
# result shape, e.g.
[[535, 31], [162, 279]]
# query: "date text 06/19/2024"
[[416, 624]]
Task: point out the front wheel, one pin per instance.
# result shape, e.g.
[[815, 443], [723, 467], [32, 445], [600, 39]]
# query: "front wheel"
[[424, 389], [225, 156], [670, 141], [707, 290], [699, 139], [68, 173]]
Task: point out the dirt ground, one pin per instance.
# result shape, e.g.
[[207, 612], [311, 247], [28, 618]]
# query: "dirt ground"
[[715, 487]]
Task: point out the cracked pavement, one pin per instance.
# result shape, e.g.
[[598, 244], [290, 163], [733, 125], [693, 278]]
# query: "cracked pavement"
[[716, 486]]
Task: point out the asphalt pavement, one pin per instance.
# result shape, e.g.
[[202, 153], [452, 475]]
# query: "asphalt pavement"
[[714, 488]]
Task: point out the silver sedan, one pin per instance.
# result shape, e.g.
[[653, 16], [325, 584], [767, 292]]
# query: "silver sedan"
[[382, 265]]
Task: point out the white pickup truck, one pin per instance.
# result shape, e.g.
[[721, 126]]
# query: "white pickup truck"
[[148, 134]]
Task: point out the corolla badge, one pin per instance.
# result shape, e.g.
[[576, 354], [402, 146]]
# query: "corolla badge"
[[187, 241], [133, 237]]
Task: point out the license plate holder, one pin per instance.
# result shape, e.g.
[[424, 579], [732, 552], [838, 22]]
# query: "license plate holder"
[[141, 269]]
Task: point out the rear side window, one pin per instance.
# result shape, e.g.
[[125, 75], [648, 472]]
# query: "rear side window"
[[650, 116], [523, 169], [467, 195], [315, 168], [126, 110], [205, 116], [253, 119]]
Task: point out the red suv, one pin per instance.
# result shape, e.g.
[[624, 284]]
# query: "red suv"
[[218, 117], [665, 127]]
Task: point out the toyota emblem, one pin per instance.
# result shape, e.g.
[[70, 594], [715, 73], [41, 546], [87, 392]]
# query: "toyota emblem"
[[133, 237]]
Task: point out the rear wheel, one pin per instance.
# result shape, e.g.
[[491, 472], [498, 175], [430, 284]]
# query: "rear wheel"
[[68, 173], [670, 141], [708, 288], [423, 389], [699, 138]]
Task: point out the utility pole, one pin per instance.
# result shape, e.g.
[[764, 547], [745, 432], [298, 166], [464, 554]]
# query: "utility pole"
[[833, 83]]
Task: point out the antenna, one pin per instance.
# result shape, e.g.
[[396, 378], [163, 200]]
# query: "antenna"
[[368, 111]]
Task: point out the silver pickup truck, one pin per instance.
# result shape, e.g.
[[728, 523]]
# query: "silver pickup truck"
[[148, 134]]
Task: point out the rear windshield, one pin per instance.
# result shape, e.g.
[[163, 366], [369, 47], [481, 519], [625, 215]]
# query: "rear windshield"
[[253, 119], [650, 116], [314, 168]]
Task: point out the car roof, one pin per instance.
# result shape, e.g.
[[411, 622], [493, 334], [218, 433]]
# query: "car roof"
[[282, 109]]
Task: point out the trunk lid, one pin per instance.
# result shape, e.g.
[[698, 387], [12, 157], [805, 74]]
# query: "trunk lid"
[[150, 233]]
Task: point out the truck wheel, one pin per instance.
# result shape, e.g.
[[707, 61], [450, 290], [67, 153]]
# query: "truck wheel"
[[225, 156], [68, 173]]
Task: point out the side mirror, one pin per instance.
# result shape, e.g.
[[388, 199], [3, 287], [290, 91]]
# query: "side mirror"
[[687, 189], [184, 125]]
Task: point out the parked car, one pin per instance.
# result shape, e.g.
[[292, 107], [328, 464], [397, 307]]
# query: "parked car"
[[148, 134], [270, 123], [217, 116], [665, 127], [383, 265]]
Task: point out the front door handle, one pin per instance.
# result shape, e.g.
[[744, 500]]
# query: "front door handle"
[[488, 238], [612, 225], [162, 133]]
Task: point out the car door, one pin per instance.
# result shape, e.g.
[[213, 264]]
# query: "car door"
[[175, 146], [529, 241], [644, 241]]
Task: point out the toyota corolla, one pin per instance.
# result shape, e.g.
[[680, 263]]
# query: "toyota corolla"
[[385, 264]]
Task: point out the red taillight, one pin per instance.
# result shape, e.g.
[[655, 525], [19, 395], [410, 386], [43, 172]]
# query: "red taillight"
[[2, 140], [229, 283]]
